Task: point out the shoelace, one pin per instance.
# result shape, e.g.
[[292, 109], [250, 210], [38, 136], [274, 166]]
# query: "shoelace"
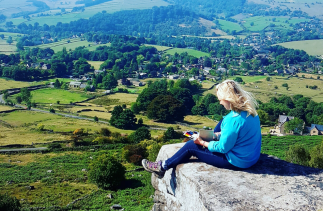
[[153, 164]]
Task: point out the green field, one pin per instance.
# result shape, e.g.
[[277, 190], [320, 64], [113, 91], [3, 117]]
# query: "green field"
[[250, 79], [5, 48], [159, 47], [264, 90], [228, 25], [261, 22], [191, 52], [11, 84], [71, 45], [109, 7], [277, 146], [53, 95], [95, 64], [312, 47]]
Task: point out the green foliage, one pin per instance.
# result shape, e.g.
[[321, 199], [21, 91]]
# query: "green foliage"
[[298, 154], [25, 94], [296, 125], [52, 110], [57, 84], [285, 85], [199, 110], [53, 146], [184, 96], [166, 108], [135, 108], [170, 133], [238, 79], [316, 154], [103, 140], [122, 118], [140, 134], [95, 119], [134, 153], [140, 121], [8, 203], [105, 131], [106, 172], [153, 151], [268, 79]]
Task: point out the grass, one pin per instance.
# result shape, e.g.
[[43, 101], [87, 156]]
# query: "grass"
[[261, 22], [71, 44], [228, 25], [109, 7], [312, 47], [68, 182], [11, 84], [5, 108], [49, 95], [277, 146], [5, 48], [95, 64], [250, 79], [159, 47], [191, 52], [264, 90]]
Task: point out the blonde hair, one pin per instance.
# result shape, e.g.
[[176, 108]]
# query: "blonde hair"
[[240, 100]]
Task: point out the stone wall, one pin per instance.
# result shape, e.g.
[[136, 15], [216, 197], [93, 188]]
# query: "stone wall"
[[271, 184]]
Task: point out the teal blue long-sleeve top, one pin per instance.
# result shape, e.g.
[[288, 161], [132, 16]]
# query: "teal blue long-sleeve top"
[[240, 139]]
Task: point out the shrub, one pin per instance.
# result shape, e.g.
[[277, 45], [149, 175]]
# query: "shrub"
[[52, 110], [96, 119], [79, 132], [134, 153], [53, 146], [103, 140], [106, 172], [298, 154], [316, 156], [8, 203], [140, 134], [285, 85], [153, 151], [170, 133], [140, 121], [41, 127], [105, 132]]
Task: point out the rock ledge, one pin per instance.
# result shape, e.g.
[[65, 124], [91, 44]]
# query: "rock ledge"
[[271, 184]]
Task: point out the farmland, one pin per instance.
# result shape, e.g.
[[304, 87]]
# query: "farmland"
[[71, 44], [227, 25], [312, 47], [109, 7], [264, 90], [189, 51], [95, 64], [49, 95], [6, 48], [159, 47], [11, 84]]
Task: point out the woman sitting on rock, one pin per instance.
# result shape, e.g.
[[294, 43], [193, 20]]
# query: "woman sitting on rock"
[[239, 135]]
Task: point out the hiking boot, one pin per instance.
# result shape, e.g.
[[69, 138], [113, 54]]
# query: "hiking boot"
[[154, 167]]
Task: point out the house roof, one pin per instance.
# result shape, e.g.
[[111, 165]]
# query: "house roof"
[[318, 127], [283, 118]]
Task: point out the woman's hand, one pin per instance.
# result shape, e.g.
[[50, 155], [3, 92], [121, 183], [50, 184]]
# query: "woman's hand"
[[198, 141], [201, 142]]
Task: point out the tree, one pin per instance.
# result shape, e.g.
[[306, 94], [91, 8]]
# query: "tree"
[[96, 119], [184, 96], [126, 120], [170, 133], [57, 84], [298, 154], [107, 172], [140, 121], [109, 82], [268, 79], [263, 116], [199, 110], [9, 40], [166, 108], [25, 94], [8, 203], [238, 79], [58, 68], [296, 125], [140, 134], [18, 99]]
